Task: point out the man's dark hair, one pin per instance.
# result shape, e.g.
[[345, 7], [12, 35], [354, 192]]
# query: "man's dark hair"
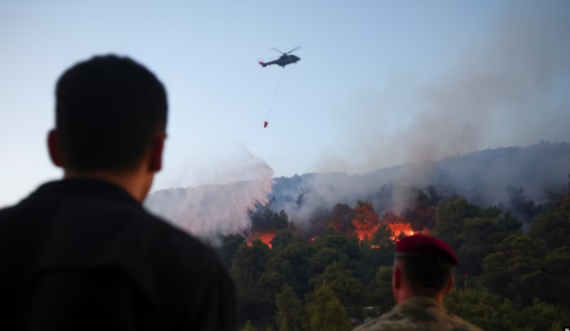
[[426, 275], [107, 111]]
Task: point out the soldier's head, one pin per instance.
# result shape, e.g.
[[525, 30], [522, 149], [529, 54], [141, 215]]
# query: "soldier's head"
[[110, 119], [422, 267]]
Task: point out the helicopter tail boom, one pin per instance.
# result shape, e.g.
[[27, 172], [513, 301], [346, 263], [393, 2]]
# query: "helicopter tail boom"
[[265, 64]]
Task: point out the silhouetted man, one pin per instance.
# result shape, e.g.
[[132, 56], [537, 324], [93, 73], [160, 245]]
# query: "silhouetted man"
[[420, 280], [82, 253]]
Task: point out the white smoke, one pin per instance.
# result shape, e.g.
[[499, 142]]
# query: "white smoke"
[[509, 89], [211, 210]]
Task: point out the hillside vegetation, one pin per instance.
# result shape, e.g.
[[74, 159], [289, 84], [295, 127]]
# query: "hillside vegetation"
[[340, 275]]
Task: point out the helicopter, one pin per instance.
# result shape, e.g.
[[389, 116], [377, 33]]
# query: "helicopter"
[[284, 59]]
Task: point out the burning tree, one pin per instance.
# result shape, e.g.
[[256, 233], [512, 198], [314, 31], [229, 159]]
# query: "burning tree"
[[265, 223], [340, 218], [420, 208], [365, 221], [397, 225], [400, 229]]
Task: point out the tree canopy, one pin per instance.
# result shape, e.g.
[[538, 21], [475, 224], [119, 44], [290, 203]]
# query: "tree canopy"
[[341, 275]]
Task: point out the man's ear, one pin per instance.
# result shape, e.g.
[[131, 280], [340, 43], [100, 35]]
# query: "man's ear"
[[54, 148], [156, 151], [449, 285]]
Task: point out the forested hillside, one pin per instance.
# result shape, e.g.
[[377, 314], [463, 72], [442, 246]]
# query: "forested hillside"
[[319, 250], [524, 180], [339, 274]]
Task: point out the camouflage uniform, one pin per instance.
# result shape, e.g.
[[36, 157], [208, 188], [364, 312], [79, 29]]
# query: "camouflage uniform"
[[418, 313]]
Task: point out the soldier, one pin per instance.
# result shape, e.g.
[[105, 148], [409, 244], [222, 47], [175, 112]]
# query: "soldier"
[[421, 278]]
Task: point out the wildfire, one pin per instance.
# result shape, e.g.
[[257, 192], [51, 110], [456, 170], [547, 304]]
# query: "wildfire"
[[264, 237], [396, 228], [364, 229], [399, 228], [365, 221], [366, 234], [396, 224]]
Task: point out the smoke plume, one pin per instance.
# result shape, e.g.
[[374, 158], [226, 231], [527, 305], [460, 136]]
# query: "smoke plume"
[[211, 210], [510, 88]]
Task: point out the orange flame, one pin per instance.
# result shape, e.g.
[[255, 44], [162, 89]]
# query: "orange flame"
[[400, 228], [365, 221], [312, 239], [397, 228], [366, 233], [396, 223], [264, 237]]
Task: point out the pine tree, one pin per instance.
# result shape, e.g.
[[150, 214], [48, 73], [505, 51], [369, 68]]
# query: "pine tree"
[[289, 310], [326, 313], [384, 286], [248, 327], [555, 326], [284, 326]]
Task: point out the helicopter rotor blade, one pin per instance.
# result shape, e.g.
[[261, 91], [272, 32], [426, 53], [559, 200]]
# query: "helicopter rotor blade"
[[294, 49], [275, 49]]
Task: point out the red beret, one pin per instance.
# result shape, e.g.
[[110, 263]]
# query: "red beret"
[[424, 245]]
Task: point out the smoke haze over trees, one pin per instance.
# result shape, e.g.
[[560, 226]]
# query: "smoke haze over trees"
[[519, 179], [211, 210]]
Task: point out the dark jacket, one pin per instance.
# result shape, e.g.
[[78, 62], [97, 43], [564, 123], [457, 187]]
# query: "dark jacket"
[[84, 255]]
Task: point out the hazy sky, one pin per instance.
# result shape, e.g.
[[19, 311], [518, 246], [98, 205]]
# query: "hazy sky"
[[206, 53]]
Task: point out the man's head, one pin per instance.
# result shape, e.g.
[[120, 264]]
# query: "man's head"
[[111, 117], [422, 267]]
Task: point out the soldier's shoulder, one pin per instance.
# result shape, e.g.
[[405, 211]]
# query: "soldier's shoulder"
[[459, 324], [414, 320], [418, 314], [393, 320], [433, 316]]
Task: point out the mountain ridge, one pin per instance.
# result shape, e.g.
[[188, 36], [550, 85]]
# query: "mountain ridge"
[[485, 177]]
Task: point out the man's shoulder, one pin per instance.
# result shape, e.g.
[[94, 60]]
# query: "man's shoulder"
[[156, 240], [178, 242], [179, 245], [404, 318], [5, 211], [184, 264], [6, 214]]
